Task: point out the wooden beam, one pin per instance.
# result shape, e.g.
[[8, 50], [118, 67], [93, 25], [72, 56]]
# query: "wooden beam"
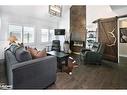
[[122, 16], [104, 19]]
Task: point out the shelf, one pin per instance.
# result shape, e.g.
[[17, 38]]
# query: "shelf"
[[91, 37], [91, 31]]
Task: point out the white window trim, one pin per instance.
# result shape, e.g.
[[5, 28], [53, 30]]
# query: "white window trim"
[[49, 40], [22, 33]]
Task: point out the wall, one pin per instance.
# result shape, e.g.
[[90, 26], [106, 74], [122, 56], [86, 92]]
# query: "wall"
[[94, 12], [64, 23], [8, 17], [106, 11], [122, 46]]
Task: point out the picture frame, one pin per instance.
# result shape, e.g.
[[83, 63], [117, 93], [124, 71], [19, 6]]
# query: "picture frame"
[[123, 35], [55, 10]]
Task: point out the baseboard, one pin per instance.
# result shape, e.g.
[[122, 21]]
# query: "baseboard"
[[122, 55], [123, 60]]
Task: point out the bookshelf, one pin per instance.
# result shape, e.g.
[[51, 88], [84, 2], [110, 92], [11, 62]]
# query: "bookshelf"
[[90, 38]]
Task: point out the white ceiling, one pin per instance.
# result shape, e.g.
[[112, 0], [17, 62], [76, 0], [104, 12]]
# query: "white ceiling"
[[117, 7], [40, 12]]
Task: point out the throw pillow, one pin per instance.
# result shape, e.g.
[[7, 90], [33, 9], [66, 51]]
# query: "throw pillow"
[[37, 54], [41, 54], [22, 55], [32, 51]]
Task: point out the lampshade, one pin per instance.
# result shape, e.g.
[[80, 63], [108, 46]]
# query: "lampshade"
[[12, 38]]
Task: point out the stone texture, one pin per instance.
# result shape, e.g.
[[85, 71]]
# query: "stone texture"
[[78, 22]]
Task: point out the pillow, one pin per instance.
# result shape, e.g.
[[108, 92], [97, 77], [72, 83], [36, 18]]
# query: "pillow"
[[37, 54], [22, 55], [41, 54], [32, 51]]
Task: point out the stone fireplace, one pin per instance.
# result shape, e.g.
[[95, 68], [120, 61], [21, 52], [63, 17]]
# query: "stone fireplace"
[[77, 27]]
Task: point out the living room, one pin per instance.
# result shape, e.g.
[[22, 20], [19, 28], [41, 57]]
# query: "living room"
[[98, 31]]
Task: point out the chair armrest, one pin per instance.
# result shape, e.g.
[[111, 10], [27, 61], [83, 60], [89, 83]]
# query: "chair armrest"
[[84, 50], [41, 71], [93, 56]]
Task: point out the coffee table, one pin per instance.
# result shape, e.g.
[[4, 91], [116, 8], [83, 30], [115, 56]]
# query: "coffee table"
[[62, 58]]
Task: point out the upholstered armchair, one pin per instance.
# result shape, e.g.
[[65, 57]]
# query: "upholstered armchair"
[[94, 55], [55, 45]]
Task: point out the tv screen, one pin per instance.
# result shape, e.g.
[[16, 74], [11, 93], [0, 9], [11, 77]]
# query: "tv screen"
[[59, 31]]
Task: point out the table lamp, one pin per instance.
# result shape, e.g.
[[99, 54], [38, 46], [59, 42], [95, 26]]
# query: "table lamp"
[[12, 39]]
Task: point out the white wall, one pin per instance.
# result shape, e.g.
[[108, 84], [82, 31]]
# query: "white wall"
[[9, 17], [23, 17], [64, 23], [106, 11], [122, 46], [94, 12]]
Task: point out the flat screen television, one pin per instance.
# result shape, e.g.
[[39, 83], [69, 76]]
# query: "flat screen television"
[[59, 31]]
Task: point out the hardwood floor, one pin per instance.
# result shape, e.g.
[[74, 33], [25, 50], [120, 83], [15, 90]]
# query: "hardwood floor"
[[92, 77], [105, 76]]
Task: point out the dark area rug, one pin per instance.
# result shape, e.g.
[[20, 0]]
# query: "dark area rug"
[[72, 64]]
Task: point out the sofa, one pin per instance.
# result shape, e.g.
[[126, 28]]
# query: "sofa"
[[30, 74]]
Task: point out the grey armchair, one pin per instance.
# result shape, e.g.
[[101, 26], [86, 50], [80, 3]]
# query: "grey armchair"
[[94, 55], [32, 74]]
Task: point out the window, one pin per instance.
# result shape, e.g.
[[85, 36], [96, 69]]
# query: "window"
[[23, 34], [44, 35], [28, 35], [16, 30], [47, 35], [51, 35]]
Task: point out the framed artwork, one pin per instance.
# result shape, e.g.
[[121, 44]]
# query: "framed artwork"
[[55, 10], [123, 35]]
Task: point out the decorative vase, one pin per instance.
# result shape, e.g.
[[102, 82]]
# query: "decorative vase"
[[66, 47]]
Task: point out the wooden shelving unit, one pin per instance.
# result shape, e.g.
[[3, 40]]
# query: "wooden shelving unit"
[[90, 39]]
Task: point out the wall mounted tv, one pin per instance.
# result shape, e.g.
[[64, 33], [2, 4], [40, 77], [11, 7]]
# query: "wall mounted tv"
[[59, 31]]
